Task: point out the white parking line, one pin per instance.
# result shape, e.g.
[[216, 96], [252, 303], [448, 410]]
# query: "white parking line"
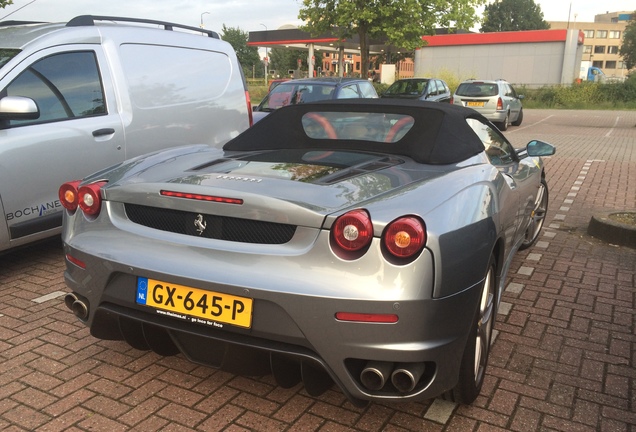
[[530, 125], [613, 127], [51, 296]]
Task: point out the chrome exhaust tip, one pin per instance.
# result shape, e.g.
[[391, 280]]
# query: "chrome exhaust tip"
[[80, 309], [77, 304], [406, 375], [375, 373], [69, 299]]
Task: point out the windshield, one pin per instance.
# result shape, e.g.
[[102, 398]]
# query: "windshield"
[[292, 93], [407, 87], [7, 54]]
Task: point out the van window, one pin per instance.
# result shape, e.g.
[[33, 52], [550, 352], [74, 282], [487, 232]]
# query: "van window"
[[7, 54], [64, 86], [161, 76]]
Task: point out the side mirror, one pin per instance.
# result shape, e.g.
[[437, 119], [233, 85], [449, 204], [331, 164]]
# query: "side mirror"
[[520, 97], [18, 108], [539, 148]]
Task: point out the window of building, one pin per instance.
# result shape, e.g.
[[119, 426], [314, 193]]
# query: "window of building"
[[610, 64], [614, 34], [357, 66], [621, 65], [587, 49], [598, 63], [601, 34], [613, 49], [588, 33], [599, 49]]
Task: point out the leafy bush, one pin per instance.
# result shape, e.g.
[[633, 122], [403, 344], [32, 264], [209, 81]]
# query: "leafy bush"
[[584, 95]]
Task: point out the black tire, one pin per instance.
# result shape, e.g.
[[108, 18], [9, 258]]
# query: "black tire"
[[519, 118], [537, 218], [475, 358], [503, 126]]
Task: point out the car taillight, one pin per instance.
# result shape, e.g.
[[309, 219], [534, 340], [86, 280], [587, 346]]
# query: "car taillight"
[[499, 105], [452, 100], [87, 197], [352, 232], [90, 199], [68, 195], [404, 237]]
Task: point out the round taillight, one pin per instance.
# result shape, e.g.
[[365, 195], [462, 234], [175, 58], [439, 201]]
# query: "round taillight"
[[405, 237], [90, 199], [68, 195], [353, 231]]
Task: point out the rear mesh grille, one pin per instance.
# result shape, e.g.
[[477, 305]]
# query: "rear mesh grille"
[[216, 227]]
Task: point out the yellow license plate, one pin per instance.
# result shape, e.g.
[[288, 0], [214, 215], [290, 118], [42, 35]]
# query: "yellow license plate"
[[475, 104], [193, 304]]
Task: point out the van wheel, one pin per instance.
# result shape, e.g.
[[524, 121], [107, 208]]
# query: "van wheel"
[[475, 358], [519, 118], [504, 124]]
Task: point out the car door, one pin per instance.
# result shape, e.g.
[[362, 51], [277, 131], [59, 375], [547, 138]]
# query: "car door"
[[516, 194], [431, 91], [443, 92], [78, 131], [514, 103]]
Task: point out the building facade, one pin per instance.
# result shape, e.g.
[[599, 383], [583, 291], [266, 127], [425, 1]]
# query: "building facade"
[[602, 42]]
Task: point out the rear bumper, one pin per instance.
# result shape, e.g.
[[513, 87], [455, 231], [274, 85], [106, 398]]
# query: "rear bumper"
[[294, 336]]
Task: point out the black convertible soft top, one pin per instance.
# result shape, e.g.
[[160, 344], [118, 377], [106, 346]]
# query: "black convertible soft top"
[[439, 134]]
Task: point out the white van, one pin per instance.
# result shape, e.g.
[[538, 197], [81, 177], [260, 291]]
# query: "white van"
[[79, 97]]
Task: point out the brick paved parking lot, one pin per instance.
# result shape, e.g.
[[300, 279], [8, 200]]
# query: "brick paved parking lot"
[[563, 359]]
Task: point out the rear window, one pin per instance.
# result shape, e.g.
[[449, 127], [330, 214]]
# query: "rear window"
[[477, 89], [376, 127]]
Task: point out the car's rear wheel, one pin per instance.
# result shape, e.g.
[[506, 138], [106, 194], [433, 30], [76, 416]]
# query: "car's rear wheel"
[[519, 118], [475, 358], [537, 218], [504, 124]]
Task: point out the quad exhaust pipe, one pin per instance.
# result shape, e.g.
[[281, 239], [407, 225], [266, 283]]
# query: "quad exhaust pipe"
[[403, 376], [77, 304], [406, 375]]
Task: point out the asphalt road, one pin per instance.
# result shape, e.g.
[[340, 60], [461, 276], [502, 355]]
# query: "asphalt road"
[[563, 358]]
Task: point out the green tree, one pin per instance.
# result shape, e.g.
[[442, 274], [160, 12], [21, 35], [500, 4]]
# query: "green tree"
[[513, 15], [628, 46], [248, 56], [283, 60], [5, 3], [401, 23]]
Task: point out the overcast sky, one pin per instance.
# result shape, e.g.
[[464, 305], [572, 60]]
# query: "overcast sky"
[[248, 15]]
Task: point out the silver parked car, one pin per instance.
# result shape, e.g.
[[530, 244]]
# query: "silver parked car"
[[362, 242], [496, 100], [79, 96]]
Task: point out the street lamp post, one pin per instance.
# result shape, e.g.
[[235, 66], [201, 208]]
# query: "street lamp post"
[[204, 13], [266, 58]]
